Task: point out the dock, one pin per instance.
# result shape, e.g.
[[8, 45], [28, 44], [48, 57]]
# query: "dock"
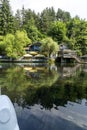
[[67, 55]]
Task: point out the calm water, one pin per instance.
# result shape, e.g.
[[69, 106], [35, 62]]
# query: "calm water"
[[47, 97]]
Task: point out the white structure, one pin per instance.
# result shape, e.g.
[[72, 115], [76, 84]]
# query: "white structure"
[[8, 119]]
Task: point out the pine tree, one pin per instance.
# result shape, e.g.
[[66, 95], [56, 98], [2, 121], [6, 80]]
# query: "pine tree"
[[6, 18], [23, 17], [47, 17], [17, 20]]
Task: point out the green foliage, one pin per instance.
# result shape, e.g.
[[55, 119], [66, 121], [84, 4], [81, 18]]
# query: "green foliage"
[[47, 17], [58, 31], [6, 19], [49, 46], [22, 38], [58, 25], [10, 49], [17, 20], [28, 17], [1, 38], [2, 48], [63, 15], [82, 38], [13, 45], [77, 33], [34, 34]]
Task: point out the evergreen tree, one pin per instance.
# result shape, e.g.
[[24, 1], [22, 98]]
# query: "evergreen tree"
[[81, 38], [6, 18], [27, 18], [63, 15], [47, 17], [17, 20], [23, 12]]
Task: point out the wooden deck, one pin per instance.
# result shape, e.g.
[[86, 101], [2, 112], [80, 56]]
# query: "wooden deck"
[[68, 54]]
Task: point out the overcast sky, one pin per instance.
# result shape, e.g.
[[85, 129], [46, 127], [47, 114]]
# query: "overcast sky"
[[75, 7]]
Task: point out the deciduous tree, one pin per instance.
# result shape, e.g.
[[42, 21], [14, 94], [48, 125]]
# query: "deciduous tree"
[[49, 46]]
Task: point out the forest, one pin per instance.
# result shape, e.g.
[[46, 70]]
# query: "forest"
[[50, 27]]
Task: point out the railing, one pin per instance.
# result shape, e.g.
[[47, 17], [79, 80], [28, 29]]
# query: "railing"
[[74, 56]]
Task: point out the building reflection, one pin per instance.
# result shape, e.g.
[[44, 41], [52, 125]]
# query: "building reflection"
[[67, 70]]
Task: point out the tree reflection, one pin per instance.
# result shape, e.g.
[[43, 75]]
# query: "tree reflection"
[[43, 86], [15, 81]]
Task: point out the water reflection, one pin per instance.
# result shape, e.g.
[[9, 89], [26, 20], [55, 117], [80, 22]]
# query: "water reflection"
[[72, 116], [67, 71], [47, 97]]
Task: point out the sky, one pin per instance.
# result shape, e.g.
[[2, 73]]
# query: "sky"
[[75, 7]]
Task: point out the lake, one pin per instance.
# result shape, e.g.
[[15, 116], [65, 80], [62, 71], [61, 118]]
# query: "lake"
[[47, 97]]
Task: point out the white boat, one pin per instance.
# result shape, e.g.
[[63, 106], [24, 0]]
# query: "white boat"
[[8, 119]]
